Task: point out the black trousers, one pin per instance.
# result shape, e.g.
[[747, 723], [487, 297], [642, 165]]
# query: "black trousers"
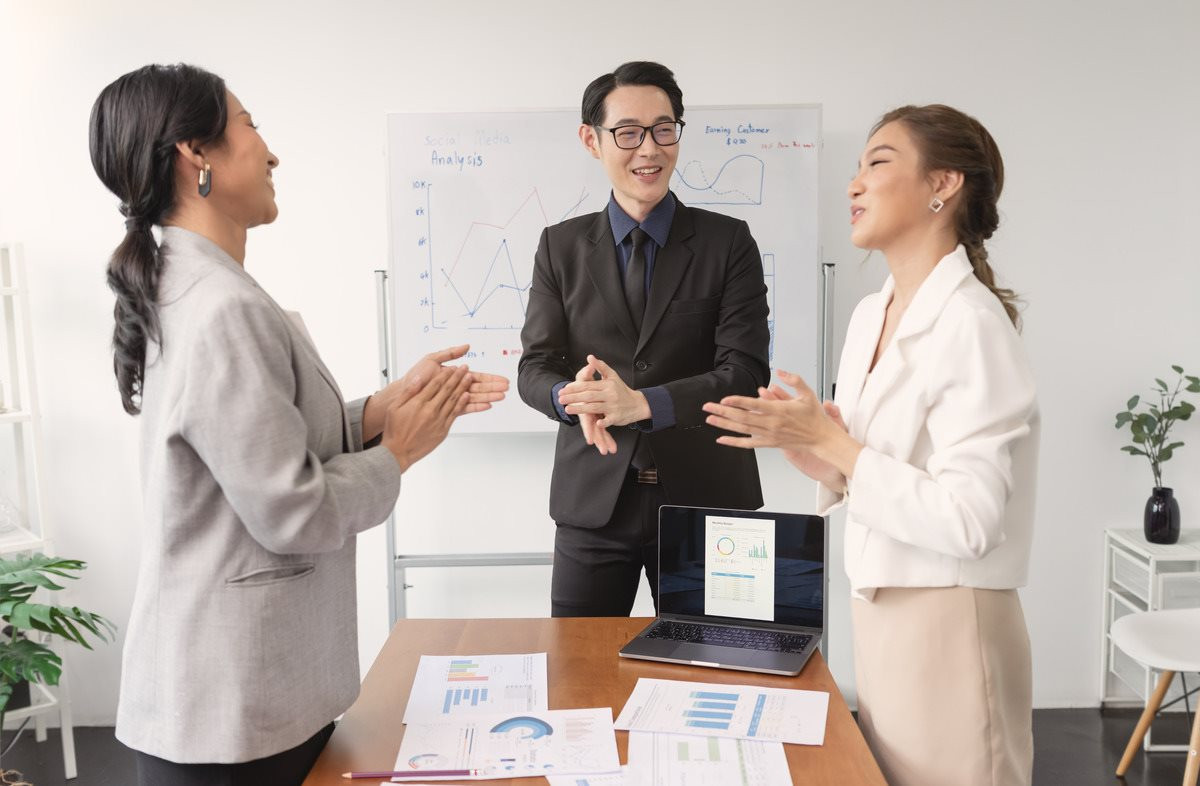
[[596, 571], [282, 769]]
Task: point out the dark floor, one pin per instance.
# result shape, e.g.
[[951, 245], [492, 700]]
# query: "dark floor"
[[1073, 748]]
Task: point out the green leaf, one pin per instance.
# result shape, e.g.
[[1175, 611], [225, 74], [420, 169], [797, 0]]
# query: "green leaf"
[[28, 660], [1147, 422], [1177, 369], [1123, 418], [1161, 385], [1133, 402], [19, 579], [1165, 455], [1131, 450]]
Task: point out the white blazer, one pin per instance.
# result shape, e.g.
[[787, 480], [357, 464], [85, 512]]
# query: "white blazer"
[[943, 492]]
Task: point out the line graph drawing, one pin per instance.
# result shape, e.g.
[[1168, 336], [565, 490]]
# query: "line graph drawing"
[[483, 272], [738, 181]]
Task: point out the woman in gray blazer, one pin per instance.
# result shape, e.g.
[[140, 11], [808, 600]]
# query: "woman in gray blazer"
[[241, 647]]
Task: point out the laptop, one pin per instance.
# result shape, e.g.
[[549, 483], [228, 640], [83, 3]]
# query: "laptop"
[[737, 589]]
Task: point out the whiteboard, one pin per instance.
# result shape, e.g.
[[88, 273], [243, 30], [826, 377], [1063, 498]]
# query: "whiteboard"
[[469, 195]]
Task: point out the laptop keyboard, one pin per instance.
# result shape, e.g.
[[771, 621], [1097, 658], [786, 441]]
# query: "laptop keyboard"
[[746, 638]]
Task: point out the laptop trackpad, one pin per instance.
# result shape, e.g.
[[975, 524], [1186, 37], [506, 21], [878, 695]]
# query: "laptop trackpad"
[[653, 648]]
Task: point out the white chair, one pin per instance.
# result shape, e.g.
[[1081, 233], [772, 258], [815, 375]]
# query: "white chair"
[[1167, 641]]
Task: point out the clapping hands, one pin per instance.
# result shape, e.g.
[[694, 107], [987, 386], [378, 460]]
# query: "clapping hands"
[[797, 422], [600, 403]]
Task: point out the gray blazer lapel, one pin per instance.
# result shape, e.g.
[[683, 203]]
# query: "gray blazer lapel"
[[300, 332], [602, 268], [670, 265]]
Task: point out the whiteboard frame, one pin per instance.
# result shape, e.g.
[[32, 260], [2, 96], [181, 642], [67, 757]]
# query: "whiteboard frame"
[[398, 564]]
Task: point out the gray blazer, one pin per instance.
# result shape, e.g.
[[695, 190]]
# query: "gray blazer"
[[242, 640]]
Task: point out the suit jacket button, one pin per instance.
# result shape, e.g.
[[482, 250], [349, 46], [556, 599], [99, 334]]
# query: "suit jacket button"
[[641, 365]]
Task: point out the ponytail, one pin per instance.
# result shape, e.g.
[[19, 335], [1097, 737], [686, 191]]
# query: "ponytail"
[[133, 274], [135, 124], [978, 255]]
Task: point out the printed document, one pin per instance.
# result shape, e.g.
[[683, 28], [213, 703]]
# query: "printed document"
[[683, 760], [449, 686], [739, 711], [509, 745]]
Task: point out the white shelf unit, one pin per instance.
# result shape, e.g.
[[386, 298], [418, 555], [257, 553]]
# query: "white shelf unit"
[[20, 428], [1144, 576]]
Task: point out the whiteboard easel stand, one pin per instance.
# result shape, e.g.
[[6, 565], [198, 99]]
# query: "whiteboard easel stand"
[[398, 564]]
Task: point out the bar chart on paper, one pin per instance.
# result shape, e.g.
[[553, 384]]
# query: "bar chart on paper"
[[446, 687], [709, 710], [735, 711], [470, 194]]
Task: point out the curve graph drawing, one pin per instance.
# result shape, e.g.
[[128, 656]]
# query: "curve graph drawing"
[[738, 181]]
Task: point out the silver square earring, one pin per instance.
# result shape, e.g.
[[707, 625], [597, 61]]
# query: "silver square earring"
[[936, 204]]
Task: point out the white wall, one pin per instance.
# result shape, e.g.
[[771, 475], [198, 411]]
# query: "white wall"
[[1093, 105]]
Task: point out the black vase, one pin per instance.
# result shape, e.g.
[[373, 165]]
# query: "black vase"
[[1161, 521]]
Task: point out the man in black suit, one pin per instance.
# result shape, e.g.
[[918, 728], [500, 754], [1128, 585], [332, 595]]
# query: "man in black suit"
[[638, 315]]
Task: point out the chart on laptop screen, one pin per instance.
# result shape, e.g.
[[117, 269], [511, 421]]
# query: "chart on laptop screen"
[[739, 567]]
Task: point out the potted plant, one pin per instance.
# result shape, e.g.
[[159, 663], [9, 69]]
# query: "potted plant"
[[22, 658], [1150, 428]]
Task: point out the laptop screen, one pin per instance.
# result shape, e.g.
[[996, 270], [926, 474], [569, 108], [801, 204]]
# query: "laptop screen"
[[738, 565]]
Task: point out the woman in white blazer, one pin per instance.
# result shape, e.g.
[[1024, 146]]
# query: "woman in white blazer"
[[931, 445], [242, 643]]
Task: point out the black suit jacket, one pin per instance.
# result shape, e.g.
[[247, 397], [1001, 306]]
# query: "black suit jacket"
[[704, 336]]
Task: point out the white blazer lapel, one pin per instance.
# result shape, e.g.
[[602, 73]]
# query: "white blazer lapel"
[[856, 356], [928, 303]]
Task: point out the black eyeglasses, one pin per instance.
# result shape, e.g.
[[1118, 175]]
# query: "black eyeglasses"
[[630, 137]]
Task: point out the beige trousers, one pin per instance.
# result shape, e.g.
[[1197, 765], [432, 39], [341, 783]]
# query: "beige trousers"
[[945, 690]]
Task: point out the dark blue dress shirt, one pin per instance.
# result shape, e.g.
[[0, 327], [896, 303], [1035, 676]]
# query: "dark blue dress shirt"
[[658, 226]]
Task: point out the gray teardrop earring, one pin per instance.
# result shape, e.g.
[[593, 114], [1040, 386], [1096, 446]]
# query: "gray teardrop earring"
[[205, 180]]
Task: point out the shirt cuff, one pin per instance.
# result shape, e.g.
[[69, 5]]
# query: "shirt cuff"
[[562, 413], [662, 410]]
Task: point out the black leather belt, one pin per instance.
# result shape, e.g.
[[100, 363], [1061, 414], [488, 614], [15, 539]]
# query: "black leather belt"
[[648, 475]]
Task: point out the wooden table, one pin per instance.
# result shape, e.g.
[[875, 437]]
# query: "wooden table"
[[584, 671]]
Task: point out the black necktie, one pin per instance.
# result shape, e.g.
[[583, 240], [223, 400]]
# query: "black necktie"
[[635, 277], [635, 296]]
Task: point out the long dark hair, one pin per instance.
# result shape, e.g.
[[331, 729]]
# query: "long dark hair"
[[949, 139], [135, 124]]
